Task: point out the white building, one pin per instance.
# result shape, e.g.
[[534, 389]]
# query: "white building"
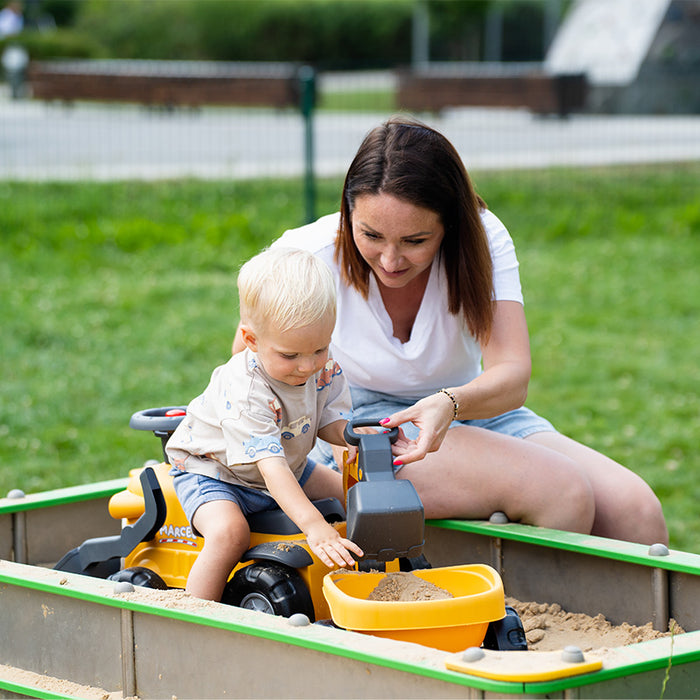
[[639, 56]]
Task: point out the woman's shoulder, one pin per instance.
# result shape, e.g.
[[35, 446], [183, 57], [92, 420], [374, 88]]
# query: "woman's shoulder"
[[492, 224], [496, 232], [314, 237]]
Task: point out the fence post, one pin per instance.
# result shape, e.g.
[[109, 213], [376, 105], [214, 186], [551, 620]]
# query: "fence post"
[[307, 92]]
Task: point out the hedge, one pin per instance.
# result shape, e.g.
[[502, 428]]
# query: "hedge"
[[327, 33]]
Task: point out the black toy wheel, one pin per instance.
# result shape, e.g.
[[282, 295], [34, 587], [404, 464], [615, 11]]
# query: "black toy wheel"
[[269, 588], [139, 576], [413, 563]]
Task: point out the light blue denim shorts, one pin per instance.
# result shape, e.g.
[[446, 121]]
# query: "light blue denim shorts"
[[193, 490], [518, 423]]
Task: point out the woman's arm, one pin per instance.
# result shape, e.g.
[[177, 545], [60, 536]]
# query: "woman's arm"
[[501, 387], [506, 360]]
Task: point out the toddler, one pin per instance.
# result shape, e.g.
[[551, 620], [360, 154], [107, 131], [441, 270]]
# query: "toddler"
[[243, 445]]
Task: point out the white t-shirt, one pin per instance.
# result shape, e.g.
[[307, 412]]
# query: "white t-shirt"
[[440, 352], [245, 415]]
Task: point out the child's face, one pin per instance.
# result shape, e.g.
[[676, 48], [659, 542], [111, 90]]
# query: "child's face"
[[291, 356]]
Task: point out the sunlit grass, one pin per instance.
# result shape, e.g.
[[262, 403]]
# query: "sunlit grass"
[[118, 297], [383, 101]]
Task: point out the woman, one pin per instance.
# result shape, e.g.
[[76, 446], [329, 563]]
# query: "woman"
[[428, 295]]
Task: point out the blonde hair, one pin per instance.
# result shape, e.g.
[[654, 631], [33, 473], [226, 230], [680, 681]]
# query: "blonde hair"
[[286, 288]]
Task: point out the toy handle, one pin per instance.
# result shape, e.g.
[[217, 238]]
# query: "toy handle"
[[353, 438]]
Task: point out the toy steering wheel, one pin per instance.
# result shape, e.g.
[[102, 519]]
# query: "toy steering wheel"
[[159, 420]]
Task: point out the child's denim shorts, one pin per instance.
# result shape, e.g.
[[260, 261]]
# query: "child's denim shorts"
[[194, 489], [373, 404]]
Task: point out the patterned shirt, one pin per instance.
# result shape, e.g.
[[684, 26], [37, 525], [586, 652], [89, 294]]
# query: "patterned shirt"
[[245, 415]]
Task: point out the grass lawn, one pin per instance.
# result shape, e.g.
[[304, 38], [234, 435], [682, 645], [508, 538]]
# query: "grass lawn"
[[369, 100], [121, 296]]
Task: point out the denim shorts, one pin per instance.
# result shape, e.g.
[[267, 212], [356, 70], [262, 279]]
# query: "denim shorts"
[[519, 423], [194, 489]]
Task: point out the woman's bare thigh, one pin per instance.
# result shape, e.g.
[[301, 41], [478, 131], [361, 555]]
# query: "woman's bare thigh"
[[626, 506], [476, 472]]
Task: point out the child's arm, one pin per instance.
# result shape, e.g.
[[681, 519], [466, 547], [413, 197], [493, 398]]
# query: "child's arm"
[[333, 432], [324, 540]]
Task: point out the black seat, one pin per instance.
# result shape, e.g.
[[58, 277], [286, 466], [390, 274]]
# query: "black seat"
[[277, 522]]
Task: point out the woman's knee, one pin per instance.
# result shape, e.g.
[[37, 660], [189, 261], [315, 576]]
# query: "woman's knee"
[[566, 497], [651, 522], [636, 514], [578, 494]]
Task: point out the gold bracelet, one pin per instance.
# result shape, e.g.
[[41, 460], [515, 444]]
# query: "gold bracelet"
[[447, 392]]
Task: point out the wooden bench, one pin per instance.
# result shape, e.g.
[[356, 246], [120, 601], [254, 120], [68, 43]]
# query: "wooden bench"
[[490, 85], [167, 83]]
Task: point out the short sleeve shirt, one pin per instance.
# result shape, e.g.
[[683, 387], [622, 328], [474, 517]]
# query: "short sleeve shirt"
[[245, 415], [441, 350]]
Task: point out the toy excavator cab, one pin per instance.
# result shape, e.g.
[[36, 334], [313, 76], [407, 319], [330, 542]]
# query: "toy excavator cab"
[[385, 515]]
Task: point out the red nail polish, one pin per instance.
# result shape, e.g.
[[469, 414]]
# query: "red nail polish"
[[398, 463], [383, 421]]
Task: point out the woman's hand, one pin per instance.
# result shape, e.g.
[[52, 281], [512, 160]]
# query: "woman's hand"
[[432, 416], [332, 549]]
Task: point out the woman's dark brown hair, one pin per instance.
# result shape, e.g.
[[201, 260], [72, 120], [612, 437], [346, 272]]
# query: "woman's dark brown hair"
[[414, 163]]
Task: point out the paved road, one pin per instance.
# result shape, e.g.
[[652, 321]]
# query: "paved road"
[[39, 141]]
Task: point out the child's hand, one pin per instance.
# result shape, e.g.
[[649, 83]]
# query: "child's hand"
[[332, 549]]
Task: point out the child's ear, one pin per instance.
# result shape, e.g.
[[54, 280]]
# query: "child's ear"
[[249, 337]]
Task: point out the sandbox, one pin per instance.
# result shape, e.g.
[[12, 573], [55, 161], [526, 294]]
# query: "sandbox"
[[74, 628]]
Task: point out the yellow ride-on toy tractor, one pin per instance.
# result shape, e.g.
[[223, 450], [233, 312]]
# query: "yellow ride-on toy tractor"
[[278, 574]]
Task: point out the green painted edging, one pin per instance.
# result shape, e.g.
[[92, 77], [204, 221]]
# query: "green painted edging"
[[72, 494], [611, 674], [584, 544], [453, 677], [273, 635]]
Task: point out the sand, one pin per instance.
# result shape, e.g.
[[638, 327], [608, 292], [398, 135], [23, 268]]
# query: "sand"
[[56, 685], [406, 586], [547, 626]]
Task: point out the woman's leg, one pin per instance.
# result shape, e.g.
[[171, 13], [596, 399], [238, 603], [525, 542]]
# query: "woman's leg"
[[325, 482], [476, 472], [626, 507], [226, 537]]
